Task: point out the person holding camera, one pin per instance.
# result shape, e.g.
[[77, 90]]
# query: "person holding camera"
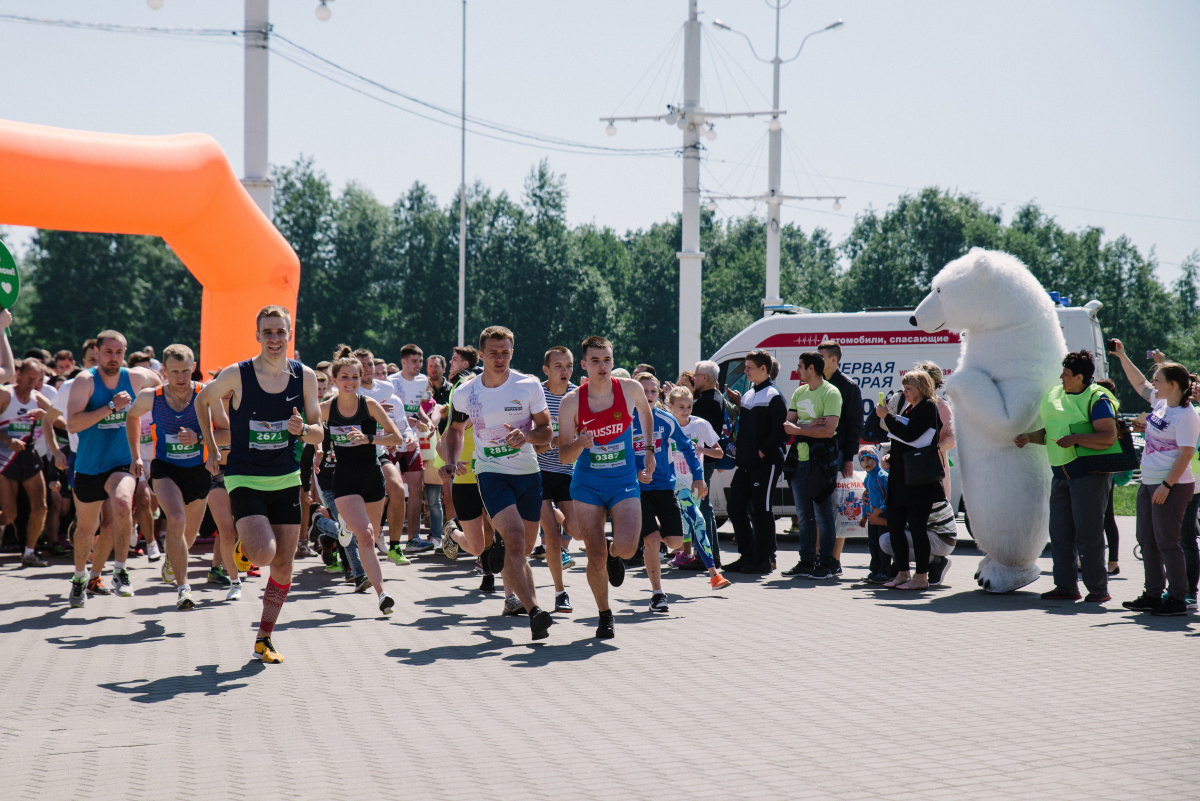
[[1172, 429], [1079, 430]]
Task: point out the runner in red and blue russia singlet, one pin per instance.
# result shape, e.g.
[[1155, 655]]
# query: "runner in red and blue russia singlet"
[[605, 473]]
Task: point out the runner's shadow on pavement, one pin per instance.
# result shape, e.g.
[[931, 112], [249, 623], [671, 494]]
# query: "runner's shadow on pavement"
[[152, 631], [1166, 623], [944, 600], [210, 681], [492, 646], [332, 619], [461, 599], [50, 620], [547, 652]]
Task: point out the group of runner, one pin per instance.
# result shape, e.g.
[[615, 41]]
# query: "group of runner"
[[519, 456]]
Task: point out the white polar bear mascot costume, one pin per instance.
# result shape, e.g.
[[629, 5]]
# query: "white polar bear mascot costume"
[[1011, 356]]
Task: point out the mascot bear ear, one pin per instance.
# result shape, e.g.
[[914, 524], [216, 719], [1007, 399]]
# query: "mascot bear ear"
[[983, 268]]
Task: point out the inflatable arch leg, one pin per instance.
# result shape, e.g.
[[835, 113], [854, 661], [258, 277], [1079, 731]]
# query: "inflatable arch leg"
[[181, 188]]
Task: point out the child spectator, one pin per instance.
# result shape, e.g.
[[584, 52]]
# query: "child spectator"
[[875, 513]]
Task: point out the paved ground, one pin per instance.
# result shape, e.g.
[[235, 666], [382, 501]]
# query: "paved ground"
[[770, 689]]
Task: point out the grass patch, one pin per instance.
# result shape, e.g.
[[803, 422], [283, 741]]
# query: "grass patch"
[[1125, 500]]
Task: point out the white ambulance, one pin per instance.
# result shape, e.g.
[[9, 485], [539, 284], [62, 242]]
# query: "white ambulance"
[[878, 347]]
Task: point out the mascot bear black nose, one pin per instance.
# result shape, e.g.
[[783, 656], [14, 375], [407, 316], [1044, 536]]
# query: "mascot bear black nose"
[[912, 320]]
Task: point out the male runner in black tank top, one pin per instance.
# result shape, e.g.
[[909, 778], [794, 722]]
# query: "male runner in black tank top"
[[262, 477]]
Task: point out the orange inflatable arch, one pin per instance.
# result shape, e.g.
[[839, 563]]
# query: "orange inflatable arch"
[[181, 188]]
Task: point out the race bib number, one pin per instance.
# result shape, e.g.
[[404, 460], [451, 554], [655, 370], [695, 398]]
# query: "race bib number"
[[610, 455], [112, 420], [20, 428], [499, 451], [340, 435], [177, 450], [147, 439], [412, 408], [266, 435], [639, 444]]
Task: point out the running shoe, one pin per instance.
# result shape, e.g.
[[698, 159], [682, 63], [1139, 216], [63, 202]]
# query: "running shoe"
[[512, 606], [562, 603], [939, 566], [567, 559], [152, 551], [58, 550], [333, 567], [1143, 603], [78, 595], [264, 651], [449, 547], [605, 630], [1190, 600], [218, 576], [184, 600], [235, 591], [121, 583], [824, 570], [495, 553], [32, 560], [362, 584], [303, 550], [396, 554], [719, 582], [658, 603], [96, 586], [239, 559], [1171, 606], [540, 622], [386, 603], [693, 563], [538, 553], [168, 574], [418, 545], [616, 570], [478, 568], [804, 569], [1057, 594], [488, 584], [678, 559], [254, 572]]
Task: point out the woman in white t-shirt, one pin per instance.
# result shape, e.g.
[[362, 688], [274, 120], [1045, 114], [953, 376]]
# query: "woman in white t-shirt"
[[1172, 429]]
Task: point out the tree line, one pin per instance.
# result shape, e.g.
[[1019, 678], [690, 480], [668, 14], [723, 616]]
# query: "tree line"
[[380, 275]]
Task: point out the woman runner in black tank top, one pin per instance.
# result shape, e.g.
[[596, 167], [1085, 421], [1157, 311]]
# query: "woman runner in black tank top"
[[358, 488]]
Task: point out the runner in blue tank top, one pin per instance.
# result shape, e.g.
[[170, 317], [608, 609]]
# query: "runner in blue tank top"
[[100, 399], [177, 473], [262, 472], [595, 432]]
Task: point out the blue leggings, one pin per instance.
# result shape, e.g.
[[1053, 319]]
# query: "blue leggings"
[[694, 528]]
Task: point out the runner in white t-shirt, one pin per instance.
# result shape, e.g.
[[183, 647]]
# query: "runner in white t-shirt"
[[411, 389], [508, 413]]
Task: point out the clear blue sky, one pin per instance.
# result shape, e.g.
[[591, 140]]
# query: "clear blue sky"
[[1091, 108]]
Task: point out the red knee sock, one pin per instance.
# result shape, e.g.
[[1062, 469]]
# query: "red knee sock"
[[272, 602]]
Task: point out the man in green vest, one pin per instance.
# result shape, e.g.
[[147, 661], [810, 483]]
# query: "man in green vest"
[[1080, 426]]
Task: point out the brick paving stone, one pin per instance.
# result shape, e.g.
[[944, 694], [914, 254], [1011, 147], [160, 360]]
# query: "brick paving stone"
[[773, 688]]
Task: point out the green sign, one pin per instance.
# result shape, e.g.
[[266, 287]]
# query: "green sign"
[[10, 279]]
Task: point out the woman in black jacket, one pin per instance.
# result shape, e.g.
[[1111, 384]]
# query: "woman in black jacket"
[[916, 426]]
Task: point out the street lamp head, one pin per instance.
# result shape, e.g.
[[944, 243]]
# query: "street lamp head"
[[611, 130], [710, 134], [718, 24], [775, 126], [711, 205], [837, 205], [323, 12], [155, 4], [834, 25], [672, 117], [682, 123]]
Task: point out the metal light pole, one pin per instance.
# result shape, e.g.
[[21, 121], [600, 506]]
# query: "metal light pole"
[[773, 197], [257, 178], [462, 195], [694, 121]]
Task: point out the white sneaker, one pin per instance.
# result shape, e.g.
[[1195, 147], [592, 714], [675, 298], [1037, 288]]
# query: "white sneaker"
[[235, 592], [386, 604], [512, 606], [152, 551], [168, 575], [184, 601]]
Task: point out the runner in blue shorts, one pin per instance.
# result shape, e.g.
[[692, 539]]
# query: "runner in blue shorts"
[[595, 432], [508, 413]]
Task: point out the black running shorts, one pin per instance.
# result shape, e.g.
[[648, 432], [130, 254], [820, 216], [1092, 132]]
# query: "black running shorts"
[[468, 505], [193, 482], [660, 512], [90, 488], [556, 487], [280, 507], [359, 479]]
